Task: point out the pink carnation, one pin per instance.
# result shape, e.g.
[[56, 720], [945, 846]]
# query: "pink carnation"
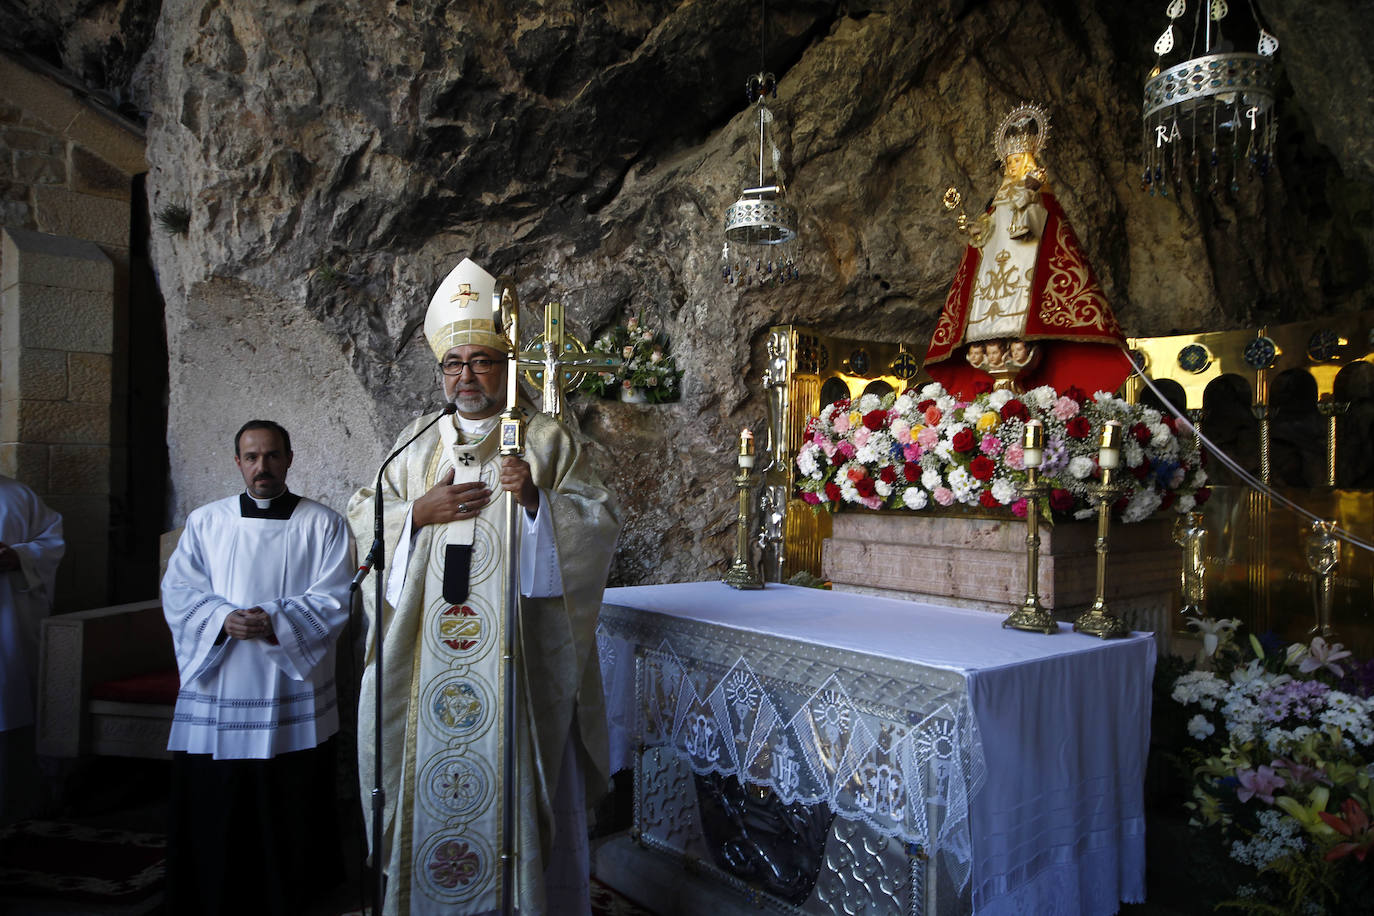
[[846, 449], [1015, 457], [901, 431], [861, 436], [928, 437], [990, 446], [1018, 508], [911, 452], [841, 422], [872, 502], [811, 498], [943, 495], [1064, 409]]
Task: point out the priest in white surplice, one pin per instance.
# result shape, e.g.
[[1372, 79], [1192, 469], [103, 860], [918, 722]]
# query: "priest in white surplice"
[[445, 606], [30, 547], [256, 595]]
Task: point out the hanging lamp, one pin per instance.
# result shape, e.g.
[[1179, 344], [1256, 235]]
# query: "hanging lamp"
[[1209, 120]]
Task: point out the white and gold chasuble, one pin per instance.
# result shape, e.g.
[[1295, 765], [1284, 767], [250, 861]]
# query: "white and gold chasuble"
[[1002, 290], [443, 714]]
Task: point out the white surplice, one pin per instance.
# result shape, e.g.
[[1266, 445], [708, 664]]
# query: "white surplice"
[[252, 698], [35, 533]]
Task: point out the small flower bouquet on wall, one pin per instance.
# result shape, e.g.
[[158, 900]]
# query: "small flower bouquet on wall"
[[647, 374], [928, 450]]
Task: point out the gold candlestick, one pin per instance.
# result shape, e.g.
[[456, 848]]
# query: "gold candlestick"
[[1323, 554], [742, 573], [1331, 409], [1097, 620], [1191, 535], [1033, 616]]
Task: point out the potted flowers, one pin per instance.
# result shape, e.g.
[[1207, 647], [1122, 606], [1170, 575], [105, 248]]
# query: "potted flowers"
[[928, 449], [646, 375]]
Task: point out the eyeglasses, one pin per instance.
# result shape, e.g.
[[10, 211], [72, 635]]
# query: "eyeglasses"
[[480, 365]]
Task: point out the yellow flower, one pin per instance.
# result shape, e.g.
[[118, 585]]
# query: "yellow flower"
[[855, 419], [988, 421], [1309, 814]]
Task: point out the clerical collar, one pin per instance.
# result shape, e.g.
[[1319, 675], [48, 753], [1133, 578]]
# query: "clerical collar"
[[476, 429], [278, 507]]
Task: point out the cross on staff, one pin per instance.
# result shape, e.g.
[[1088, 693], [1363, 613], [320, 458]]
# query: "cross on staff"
[[559, 358]]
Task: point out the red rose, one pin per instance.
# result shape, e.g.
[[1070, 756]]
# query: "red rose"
[[911, 471], [987, 500], [1202, 494], [1061, 500], [982, 386], [842, 405], [1078, 427], [1141, 433], [1074, 393], [1015, 409], [925, 405], [875, 419], [888, 474], [1119, 506], [837, 459], [810, 428], [1168, 499], [832, 492], [1141, 471], [982, 467], [964, 440], [864, 485], [1171, 422]]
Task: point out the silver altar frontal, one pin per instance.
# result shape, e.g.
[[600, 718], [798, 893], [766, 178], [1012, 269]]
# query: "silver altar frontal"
[[805, 751]]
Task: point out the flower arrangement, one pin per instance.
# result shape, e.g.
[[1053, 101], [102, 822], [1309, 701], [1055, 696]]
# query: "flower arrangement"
[[646, 371], [929, 449], [1281, 768]]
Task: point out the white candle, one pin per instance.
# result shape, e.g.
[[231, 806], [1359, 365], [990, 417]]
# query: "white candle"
[[1033, 444], [746, 448], [1109, 455]]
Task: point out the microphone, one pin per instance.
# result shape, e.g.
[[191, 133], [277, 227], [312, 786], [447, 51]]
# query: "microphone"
[[374, 555]]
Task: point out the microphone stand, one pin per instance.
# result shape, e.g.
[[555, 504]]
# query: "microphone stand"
[[376, 559]]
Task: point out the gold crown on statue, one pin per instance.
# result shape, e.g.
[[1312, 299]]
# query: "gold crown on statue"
[[462, 311], [1025, 129]]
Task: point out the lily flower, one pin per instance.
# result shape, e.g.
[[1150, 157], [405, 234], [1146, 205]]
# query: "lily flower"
[[1352, 824], [1309, 815], [1258, 783], [1213, 630], [1324, 655]]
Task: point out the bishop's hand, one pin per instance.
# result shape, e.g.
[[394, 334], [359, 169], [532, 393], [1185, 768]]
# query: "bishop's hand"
[[515, 478], [447, 501]]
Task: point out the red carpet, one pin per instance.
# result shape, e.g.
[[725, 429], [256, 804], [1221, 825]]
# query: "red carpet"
[[113, 870]]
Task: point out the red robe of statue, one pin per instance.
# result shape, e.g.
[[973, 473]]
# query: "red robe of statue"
[[1068, 319]]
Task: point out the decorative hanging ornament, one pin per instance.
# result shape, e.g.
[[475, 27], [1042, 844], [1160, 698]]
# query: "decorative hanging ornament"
[[761, 227], [1209, 120]]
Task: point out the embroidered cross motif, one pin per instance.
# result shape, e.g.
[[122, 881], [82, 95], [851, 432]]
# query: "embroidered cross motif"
[[464, 292], [466, 458]]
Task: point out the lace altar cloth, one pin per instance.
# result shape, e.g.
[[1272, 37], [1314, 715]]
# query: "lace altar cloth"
[[1016, 760]]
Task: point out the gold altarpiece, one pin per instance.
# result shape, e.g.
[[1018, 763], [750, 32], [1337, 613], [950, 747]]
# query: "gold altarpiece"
[[1256, 567]]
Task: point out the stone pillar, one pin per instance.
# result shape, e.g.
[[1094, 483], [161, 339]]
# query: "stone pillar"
[[56, 342]]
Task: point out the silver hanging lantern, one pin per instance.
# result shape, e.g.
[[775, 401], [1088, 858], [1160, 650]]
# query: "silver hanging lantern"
[[761, 227], [1210, 119]]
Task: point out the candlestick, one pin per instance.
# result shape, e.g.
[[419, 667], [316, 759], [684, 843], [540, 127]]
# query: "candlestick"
[[1097, 620], [746, 448], [1109, 454], [1032, 616], [742, 573]]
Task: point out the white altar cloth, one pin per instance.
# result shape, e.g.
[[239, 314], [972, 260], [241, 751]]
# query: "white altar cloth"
[[1058, 823]]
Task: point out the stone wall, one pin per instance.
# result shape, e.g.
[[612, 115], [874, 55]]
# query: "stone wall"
[[64, 221]]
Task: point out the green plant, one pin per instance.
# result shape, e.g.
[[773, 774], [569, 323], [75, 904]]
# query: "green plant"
[[174, 219]]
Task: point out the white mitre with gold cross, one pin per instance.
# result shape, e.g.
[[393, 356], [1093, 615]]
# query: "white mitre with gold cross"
[[461, 311]]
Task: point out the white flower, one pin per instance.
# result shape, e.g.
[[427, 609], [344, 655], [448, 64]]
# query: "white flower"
[[931, 478], [882, 488], [1185, 504], [1199, 727], [869, 402], [1132, 453], [914, 498], [1081, 466], [1003, 490], [932, 392], [806, 460], [1041, 398], [1213, 631], [1142, 505], [1085, 513], [999, 398], [904, 404]]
